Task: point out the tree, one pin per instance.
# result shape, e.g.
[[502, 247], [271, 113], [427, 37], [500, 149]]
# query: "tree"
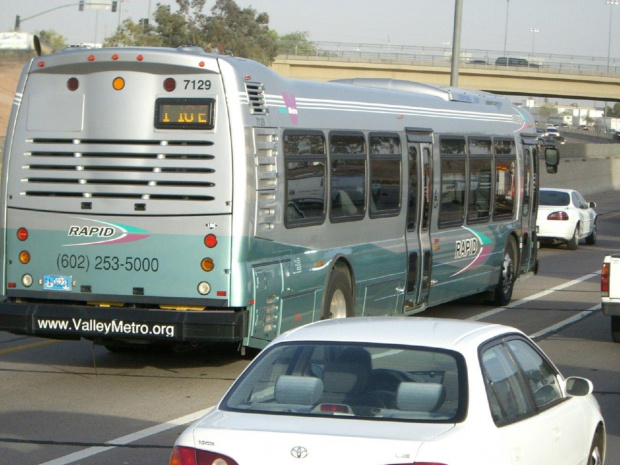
[[52, 39], [241, 32], [229, 29], [296, 43], [613, 112]]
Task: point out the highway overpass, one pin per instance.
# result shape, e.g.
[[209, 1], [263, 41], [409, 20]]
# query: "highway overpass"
[[547, 76]]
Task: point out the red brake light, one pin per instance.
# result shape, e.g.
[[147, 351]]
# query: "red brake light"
[[558, 216], [22, 234], [605, 279], [189, 456], [169, 84], [210, 240], [182, 456], [73, 84]]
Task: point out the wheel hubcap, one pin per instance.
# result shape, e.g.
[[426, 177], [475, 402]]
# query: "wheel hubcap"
[[338, 305]]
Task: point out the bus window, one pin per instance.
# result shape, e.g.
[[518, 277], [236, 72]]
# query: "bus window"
[[385, 175], [505, 167], [453, 163], [348, 177], [305, 159], [412, 206], [480, 180]]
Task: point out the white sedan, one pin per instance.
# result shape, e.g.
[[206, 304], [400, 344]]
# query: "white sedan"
[[386, 391], [564, 216]]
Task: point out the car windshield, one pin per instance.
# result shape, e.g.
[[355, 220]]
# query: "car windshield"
[[554, 198], [353, 381]]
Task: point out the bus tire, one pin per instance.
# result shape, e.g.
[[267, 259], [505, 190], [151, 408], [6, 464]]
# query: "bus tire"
[[507, 275], [338, 296]]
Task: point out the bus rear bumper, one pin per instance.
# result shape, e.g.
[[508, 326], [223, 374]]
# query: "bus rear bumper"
[[115, 323]]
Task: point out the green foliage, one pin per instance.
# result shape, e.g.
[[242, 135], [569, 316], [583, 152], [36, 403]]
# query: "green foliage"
[[613, 112], [52, 39], [229, 29], [296, 43]]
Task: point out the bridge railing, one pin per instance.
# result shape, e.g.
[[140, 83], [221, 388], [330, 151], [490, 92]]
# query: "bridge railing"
[[441, 56]]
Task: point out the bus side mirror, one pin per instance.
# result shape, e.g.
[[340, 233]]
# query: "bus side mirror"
[[552, 159]]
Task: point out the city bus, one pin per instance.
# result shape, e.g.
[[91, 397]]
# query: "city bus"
[[171, 196]]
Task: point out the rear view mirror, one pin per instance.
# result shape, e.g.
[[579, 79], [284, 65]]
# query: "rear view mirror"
[[578, 387], [552, 159]]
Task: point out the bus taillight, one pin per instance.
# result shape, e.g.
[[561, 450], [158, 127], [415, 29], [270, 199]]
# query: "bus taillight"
[[210, 240], [22, 234], [73, 84], [169, 84]]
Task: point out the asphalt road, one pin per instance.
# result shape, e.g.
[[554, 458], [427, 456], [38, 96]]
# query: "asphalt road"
[[72, 402]]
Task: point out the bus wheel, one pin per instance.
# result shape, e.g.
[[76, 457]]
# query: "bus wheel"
[[339, 296], [503, 290], [615, 328]]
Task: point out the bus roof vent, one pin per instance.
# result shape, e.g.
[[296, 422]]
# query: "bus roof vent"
[[256, 98]]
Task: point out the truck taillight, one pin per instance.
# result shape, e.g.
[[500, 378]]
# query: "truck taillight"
[[605, 280], [190, 456]]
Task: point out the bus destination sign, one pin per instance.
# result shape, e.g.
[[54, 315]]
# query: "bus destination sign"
[[184, 113]]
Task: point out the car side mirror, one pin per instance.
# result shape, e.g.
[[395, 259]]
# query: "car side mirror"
[[552, 159], [578, 387], [592, 204]]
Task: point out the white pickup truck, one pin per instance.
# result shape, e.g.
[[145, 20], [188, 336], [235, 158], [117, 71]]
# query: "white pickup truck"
[[610, 292]]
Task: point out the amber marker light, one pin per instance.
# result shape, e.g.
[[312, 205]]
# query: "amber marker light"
[[210, 240], [118, 83], [91, 57], [22, 234], [115, 57], [24, 257], [207, 264], [140, 58]]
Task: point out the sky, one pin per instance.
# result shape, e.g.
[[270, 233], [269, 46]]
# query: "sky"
[[565, 27]]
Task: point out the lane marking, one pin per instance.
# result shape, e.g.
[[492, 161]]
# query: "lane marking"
[[29, 346], [497, 310], [567, 322], [133, 437], [71, 458]]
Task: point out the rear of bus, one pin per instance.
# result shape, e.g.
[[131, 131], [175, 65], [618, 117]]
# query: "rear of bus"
[[117, 199]]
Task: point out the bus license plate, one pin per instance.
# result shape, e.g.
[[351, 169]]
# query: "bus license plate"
[[53, 282]]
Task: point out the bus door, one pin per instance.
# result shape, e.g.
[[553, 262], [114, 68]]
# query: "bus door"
[[529, 206], [419, 152]]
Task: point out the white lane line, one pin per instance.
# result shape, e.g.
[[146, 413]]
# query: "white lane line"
[[71, 458], [80, 455], [568, 321], [535, 296]]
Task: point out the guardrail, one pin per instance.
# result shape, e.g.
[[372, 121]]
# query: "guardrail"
[[441, 56]]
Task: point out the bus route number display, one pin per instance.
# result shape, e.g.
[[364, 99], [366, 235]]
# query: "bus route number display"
[[184, 113]]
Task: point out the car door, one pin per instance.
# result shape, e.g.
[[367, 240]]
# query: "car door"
[[563, 416], [585, 218], [524, 435]]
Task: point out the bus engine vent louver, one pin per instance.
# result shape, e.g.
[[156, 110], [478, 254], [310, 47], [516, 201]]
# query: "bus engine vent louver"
[[256, 98], [127, 176]]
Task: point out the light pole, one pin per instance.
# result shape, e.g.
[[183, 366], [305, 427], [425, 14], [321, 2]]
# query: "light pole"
[[611, 3], [506, 28], [534, 31], [456, 43]]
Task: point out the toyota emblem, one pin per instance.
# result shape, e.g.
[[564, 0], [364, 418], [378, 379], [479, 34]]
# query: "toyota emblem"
[[299, 452]]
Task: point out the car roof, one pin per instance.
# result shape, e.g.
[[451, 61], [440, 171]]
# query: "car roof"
[[419, 331], [568, 191]]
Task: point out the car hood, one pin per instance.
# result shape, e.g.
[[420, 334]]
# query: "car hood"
[[278, 439]]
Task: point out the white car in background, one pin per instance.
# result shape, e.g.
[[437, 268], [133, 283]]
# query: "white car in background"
[[564, 216], [387, 390]]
